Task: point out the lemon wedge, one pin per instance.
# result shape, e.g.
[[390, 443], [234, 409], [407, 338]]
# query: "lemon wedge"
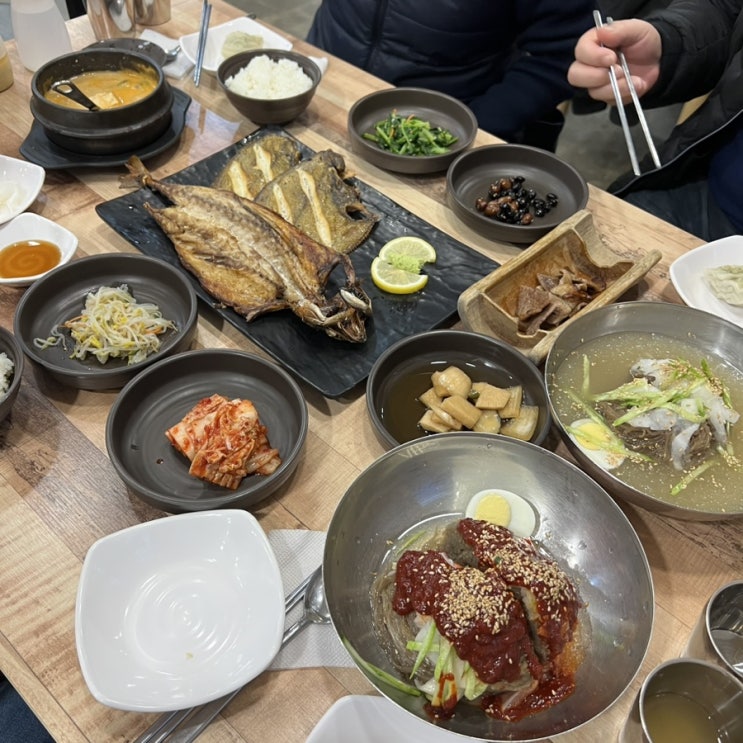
[[395, 280], [408, 253]]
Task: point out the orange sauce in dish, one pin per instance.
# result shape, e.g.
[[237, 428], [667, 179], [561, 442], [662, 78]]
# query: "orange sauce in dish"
[[28, 258]]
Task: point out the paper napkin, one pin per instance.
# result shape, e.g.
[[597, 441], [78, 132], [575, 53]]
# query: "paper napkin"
[[298, 553], [181, 65]]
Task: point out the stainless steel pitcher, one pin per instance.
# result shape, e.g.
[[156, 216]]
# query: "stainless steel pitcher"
[[152, 12], [112, 18]]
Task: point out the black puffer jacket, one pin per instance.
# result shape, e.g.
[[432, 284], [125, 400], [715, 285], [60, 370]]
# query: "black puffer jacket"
[[702, 52], [507, 59]]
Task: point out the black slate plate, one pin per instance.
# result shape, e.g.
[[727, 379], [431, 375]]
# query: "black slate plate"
[[332, 367], [38, 148]]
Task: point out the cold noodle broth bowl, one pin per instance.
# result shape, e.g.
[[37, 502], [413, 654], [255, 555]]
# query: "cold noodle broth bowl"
[[613, 339]]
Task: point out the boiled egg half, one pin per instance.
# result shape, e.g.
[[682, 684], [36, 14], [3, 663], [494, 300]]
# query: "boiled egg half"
[[596, 443], [504, 508]]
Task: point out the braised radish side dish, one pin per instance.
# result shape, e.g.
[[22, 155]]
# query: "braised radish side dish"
[[455, 403]]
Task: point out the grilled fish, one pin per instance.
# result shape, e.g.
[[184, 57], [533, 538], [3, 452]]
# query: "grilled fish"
[[313, 197], [252, 260], [255, 164]]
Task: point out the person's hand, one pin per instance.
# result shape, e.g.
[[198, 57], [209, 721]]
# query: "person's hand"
[[594, 55]]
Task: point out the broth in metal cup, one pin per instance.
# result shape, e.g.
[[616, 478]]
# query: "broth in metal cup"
[[718, 635], [686, 699]]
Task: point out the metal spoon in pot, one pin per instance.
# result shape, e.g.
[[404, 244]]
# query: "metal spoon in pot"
[[70, 90], [198, 719]]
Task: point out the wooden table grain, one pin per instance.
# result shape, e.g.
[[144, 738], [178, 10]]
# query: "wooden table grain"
[[59, 492]]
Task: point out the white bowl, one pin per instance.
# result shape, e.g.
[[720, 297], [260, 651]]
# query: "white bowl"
[[20, 183], [687, 276], [216, 37], [33, 227], [178, 611], [371, 719]]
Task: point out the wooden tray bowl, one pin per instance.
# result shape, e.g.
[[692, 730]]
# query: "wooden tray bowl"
[[489, 306]]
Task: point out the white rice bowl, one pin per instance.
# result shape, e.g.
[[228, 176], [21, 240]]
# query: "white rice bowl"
[[6, 373], [267, 79]]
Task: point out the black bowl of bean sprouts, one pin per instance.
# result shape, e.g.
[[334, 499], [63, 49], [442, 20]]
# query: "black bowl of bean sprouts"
[[97, 322]]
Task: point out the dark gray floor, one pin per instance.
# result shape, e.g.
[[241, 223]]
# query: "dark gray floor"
[[591, 143]]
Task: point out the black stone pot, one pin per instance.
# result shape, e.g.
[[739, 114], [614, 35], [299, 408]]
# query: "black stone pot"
[[103, 132]]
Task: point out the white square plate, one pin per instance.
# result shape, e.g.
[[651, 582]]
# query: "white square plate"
[[34, 227], [216, 37], [371, 719], [178, 611], [687, 276], [20, 183]]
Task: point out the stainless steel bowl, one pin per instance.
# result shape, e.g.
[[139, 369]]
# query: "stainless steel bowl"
[[579, 525], [712, 336]]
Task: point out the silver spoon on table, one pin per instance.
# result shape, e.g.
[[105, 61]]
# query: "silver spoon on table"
[[187, 725]]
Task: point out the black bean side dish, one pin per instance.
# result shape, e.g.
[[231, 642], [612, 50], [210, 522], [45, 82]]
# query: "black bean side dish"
[[510, 200]]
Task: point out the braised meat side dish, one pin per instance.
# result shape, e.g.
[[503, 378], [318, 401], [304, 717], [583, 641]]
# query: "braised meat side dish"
[[481, 616], [225, 441]]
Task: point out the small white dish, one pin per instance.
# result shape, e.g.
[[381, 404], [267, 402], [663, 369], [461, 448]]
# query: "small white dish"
[[216, 37], [371, 719], [20, 184], [687, 276], [33, 227], [178, 611]]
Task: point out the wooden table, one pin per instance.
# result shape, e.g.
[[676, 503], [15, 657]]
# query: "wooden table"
[[59, 492]]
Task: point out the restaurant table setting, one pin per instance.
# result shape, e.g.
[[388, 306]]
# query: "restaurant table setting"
[[140, 595]]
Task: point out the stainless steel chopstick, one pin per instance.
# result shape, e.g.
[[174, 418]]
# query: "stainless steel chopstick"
[[167, 723], [620, 107], [206, 12], [637, 105]]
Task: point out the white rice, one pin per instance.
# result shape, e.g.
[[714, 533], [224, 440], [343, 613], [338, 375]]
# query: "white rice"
[[269, 80], [6, 373]]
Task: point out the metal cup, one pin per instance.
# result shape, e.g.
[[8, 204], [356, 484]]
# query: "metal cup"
[[112, 18], [152, 12], [718, 634], [686, 699]]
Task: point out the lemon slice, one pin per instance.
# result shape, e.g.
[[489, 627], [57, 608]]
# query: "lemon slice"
[[395, 280], [408, 253]]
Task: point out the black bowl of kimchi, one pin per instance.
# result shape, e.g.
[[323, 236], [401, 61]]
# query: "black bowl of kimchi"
[[413, 499], [201, 467]]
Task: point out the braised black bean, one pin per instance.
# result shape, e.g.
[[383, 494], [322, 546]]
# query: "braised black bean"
[[510, 200]]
